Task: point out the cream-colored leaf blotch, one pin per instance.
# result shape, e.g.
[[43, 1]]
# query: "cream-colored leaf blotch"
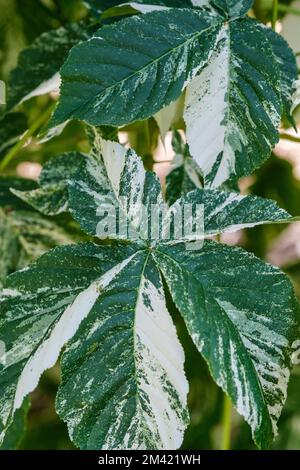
[[161, 366], [206, 116], [49, 86], [48, 352], [169, 115]]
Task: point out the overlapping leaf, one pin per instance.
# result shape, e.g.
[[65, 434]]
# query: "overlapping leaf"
[[124, 385], [233, 106], [24, 236], [184, 175], [164, 47], [38, 66], [51, 198]]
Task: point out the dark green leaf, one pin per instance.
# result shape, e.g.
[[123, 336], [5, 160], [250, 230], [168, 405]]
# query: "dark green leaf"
[[123, 63]]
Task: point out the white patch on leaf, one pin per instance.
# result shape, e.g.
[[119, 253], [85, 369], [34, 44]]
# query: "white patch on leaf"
[[161, 399], [145, 8], [169, 115], [296, 96], [206, 115], [49, 86], [200, 3], [48, 352], [160, 366]]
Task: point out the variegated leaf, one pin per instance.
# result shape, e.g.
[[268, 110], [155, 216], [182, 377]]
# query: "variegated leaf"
[[7, 199], [112, 196], [113, 179], [233, 107], [287, 64], [12, 126], [24, 236], [185, 175], [296, 96], [39, 64], [41, 309], [243, 316], [9, 247], [98, 6], [36, 235], [166, 47], [17, 429], [124, 387], [224, 211], [51, 198], [123, 384], [232, 8], [169, 115]]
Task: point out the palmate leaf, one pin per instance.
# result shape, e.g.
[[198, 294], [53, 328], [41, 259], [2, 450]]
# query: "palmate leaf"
[[233, 105], [132, 342], [123, 383]]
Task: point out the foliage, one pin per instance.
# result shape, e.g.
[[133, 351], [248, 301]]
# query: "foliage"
[[144, 315]]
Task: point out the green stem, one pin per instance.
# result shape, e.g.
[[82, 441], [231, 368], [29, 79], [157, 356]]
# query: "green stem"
[[226, 422], [29, 133], [287, 9], [274, 13], [292, 138]]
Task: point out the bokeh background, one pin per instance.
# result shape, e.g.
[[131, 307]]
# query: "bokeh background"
[[24, 234]]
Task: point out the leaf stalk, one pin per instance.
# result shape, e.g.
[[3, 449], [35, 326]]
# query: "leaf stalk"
[[29, 133], [226, 423]]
